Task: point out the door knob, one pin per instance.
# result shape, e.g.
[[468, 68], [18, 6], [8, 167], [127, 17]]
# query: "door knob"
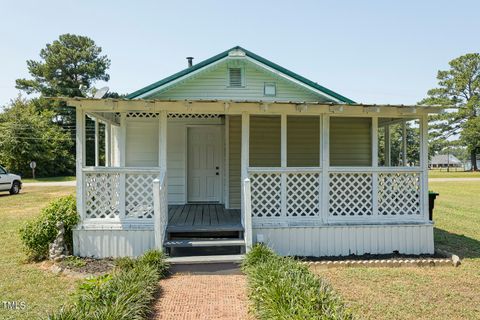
[[216, 173], [217, 168]]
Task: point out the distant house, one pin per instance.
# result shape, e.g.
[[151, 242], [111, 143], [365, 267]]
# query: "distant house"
[[445, 161], [236, 150]]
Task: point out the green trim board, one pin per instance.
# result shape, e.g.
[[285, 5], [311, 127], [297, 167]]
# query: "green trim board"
[[250, 54]]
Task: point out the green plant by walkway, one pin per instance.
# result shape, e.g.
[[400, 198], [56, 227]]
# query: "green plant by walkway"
[[283, 288], [127, 293]]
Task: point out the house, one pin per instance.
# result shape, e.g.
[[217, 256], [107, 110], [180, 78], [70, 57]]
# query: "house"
[[236, 150], [445, 161]]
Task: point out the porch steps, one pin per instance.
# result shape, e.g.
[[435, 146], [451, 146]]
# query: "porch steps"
[[213, 242], [205, 228], [214, 259]]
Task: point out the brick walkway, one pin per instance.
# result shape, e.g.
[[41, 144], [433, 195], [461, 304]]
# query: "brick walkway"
[[202, 297]]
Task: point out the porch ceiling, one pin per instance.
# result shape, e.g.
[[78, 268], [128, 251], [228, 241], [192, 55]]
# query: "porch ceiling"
[[249, 106]]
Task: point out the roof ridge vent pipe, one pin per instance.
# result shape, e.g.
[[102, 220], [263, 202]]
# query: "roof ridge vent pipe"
[[190, 61]]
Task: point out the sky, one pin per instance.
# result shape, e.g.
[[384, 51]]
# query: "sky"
[[369, 51]]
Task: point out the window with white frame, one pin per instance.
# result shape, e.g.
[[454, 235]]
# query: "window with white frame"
[[270, 89]]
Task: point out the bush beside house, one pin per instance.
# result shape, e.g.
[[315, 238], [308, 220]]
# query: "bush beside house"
[[37, 234]]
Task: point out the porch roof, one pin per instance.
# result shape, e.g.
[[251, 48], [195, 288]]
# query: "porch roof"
[[250, 106]]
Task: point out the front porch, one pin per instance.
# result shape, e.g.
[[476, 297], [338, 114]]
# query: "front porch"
[[203, 218], [306, 179]]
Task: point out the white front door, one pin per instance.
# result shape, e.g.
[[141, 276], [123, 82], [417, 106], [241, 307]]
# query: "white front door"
[[204, 164]]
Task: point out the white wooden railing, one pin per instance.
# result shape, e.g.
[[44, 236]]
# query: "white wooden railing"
[[113, 194], [339, 195], [160, 201], [247, 214]]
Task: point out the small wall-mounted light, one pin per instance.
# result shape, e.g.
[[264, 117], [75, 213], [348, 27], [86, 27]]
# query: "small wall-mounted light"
[[270, 89]]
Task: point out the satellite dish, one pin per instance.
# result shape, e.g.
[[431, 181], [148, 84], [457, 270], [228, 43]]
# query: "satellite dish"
[[101, 93]]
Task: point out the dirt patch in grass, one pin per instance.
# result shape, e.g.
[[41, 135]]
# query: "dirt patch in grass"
[[78, 267]]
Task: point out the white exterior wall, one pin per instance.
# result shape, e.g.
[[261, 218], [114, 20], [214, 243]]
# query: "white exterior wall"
[[142, 149], [315, 241], [343, 240], [112, 243]]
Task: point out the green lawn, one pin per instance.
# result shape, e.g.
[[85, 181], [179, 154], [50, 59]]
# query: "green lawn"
[[453, 174], [51, 179], [42, 291], [425, 293]]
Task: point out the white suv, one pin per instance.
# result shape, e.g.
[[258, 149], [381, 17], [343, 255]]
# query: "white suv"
[[9, 182]]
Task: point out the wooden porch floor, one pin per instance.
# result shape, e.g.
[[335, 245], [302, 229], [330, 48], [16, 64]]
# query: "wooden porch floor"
[[203, 217]]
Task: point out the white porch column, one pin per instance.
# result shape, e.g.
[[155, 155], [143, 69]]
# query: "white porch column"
[[97, 144], [80, 162], [325, 162], [245, 155], [122, 139], [404, 143], [375, 166], [388, 161], [283, 164], [424, 163], [108, 145], [162, 141], [245, 150], [122, 155]]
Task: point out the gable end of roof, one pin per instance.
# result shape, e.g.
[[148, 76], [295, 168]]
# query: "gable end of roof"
[[250, 54]]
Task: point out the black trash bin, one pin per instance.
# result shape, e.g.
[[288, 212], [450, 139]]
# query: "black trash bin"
[[431, 204]]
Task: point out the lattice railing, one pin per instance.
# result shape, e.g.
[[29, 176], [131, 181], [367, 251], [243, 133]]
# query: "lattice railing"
[[119, 193], [303, 191], [399, 194], [266, 195], [139, 196], [102, 195], [374, 195], [285, 194], [349, 194]]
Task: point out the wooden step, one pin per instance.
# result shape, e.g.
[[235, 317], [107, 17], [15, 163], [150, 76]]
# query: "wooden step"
[[204, 243], [205, 228], [230, 258]]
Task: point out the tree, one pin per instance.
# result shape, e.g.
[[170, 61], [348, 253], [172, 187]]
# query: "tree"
[[459, 87], [68, 67], [27, 134]]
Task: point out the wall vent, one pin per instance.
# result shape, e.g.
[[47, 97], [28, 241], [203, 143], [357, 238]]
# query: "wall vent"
[[235, 77]]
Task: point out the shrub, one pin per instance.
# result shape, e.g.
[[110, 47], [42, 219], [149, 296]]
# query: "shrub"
[[282, 288], [38, 233], [125, 263], [125, 294], [155, 259]]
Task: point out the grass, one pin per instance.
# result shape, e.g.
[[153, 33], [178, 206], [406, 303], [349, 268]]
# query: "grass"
[[425, 293], [42, 291], [51, 179], [453, 174]]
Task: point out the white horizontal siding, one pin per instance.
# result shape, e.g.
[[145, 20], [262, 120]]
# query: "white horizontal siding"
[[213, 84], [141, 145], [112, 243], [317, 241]]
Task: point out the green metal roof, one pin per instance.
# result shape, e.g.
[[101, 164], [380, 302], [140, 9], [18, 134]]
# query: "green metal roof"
[[249, 54]]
